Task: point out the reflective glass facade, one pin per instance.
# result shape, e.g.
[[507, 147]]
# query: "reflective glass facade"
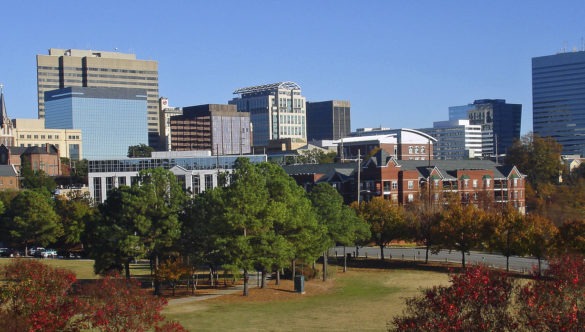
[[110, 119], [558, 98]]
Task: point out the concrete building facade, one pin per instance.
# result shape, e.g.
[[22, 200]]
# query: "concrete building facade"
[[277, 111], [220, 129], [403, 144], [32, 132], [63, 68], [195, 172], [456, 139], [110, 119]]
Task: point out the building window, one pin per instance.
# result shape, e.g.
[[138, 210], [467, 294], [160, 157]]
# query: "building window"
[[195, 186], [36, 136], [436, 183], [474, 183], [109, 183], [134, 180], [97, 189], [410, 149], [410, 198], [394, 185], [28, 136], [488, 183], [515, 182], [465, 183], [411, 184], [121, 181], [21, 136], [208, 181], [42, 136], [386, 185], [50, 136]]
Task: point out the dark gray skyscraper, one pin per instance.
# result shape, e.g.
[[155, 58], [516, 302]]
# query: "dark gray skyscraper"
[[558, 98], [328, 120]]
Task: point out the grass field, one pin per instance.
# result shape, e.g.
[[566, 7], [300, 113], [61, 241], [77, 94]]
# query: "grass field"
[[83, 268], [359, 300], [363, 299]]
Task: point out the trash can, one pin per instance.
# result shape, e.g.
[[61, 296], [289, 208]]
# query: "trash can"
[[300, 284]]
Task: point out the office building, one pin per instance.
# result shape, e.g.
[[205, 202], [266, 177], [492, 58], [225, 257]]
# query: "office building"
[[32, 132], [220, 129], [110, 119], [456, 139], [558, 100], [328, 120], [401, 144], [277, 111], [165, 114], [195, 171], [500, 123], [63, 68]]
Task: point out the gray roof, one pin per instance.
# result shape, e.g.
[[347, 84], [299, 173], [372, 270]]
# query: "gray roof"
[[447, 168], [330, 170], [7, 170]]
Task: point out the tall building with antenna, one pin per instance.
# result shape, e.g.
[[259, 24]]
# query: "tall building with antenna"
[[278, 112], [63, 68], [558, 99]]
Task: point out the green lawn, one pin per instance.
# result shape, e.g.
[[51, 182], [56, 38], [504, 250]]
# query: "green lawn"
[[83, 268], [362, 300]]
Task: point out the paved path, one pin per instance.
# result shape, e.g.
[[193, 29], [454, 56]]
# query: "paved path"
[[215, 293]]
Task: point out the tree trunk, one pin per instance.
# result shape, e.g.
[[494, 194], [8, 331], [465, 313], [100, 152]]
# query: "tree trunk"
[[463, 258], [344, 260], [382, 252], [277, 277], [539, 266], [427, 254], [325, 266], [127, 268], [508, 263], [293, 269], [357, 251], [246, 290], [263, 277]]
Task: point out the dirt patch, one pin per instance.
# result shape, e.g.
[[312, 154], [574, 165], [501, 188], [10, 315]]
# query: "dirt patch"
[[282, 292]]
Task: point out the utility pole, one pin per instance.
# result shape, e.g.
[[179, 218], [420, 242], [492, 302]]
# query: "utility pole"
[[359, 165]]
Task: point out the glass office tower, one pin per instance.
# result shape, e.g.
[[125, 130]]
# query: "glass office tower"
[[558, 98], [110, 119]]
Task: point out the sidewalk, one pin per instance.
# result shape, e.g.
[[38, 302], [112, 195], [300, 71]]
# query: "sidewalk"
[[216, 293]]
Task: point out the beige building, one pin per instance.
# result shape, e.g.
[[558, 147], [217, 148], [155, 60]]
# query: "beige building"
[[32, 132], [85, 68]]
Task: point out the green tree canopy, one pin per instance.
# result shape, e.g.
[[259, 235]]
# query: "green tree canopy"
[[537, 157], [31, 220], [140, 151]]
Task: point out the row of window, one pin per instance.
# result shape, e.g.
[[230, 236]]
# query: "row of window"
[[416, 149], [43, 136]]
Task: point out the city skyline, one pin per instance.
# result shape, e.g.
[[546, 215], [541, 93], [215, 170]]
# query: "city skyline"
[[399, 64]]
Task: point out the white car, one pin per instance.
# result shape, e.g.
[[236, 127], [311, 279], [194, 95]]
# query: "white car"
[[48, 253]]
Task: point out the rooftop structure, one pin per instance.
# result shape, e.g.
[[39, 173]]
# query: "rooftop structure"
[[277, 111]]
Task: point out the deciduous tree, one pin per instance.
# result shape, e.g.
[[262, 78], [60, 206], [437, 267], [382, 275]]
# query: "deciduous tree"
[[479, 299], [462, 228], [387, 221]]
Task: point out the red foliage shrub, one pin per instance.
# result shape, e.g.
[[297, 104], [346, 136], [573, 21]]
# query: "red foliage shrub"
[[477, 300], [555, 301], [35, 297]]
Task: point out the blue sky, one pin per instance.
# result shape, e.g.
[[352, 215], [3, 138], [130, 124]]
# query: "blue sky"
[[400, 63]]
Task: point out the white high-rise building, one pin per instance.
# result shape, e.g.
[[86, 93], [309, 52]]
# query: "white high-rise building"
[[277, 111], [456, 139]]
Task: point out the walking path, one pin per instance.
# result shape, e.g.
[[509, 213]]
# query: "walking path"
[[215, 293]]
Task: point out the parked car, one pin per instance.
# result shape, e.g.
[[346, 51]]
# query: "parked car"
[[7, 252], [46, 253], [32, 251]]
